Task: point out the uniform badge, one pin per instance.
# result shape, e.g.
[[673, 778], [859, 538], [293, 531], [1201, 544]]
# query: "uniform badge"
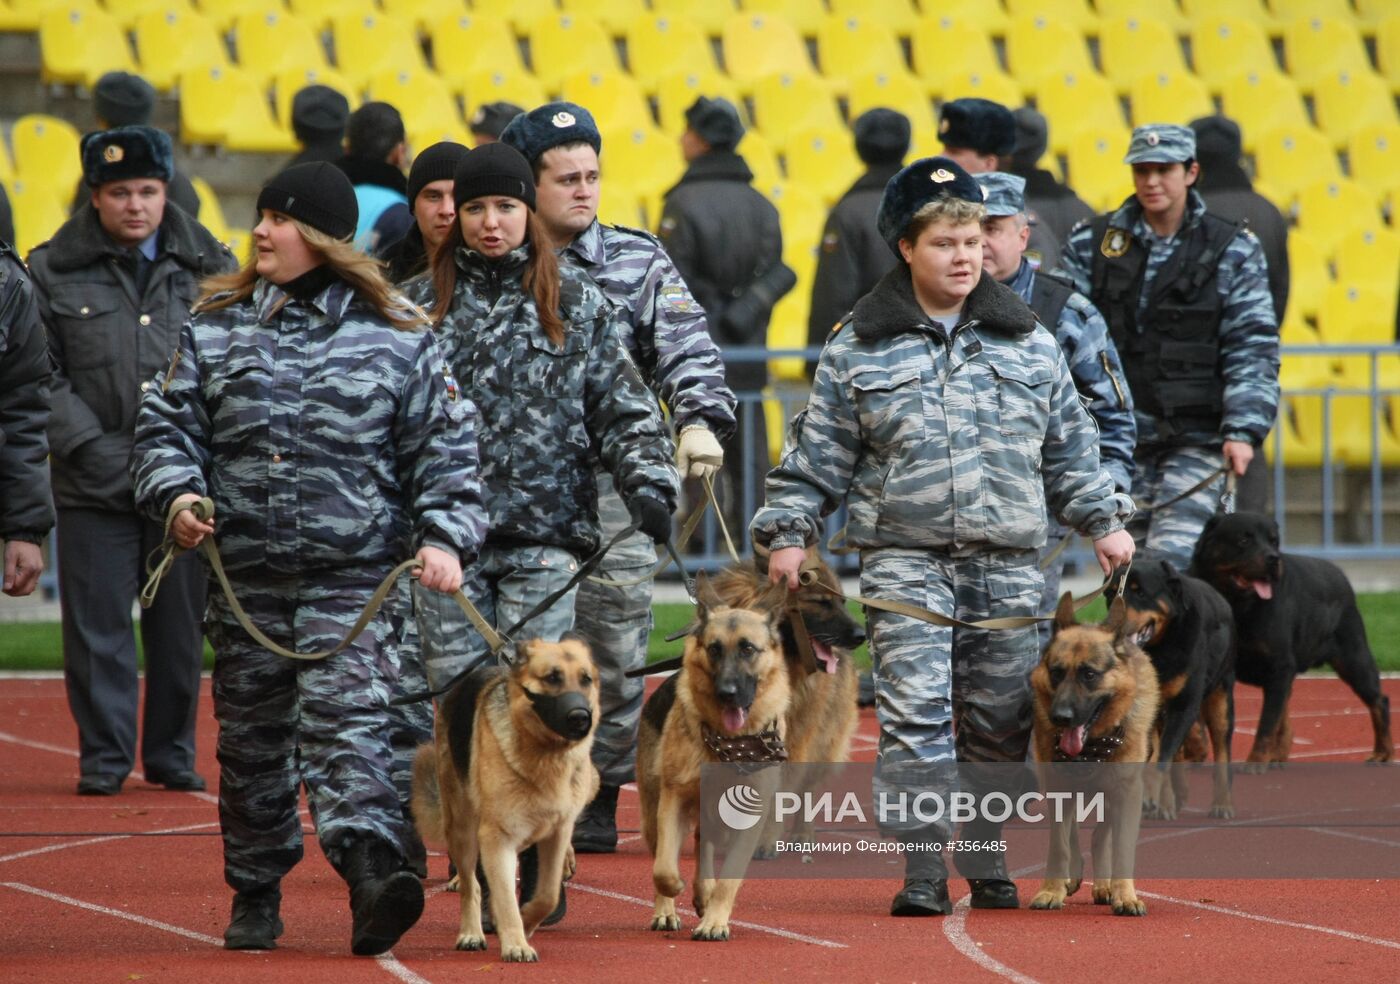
[[1153, 138], [562, 119], [170, 372], [943, 125], [668, 225], [678, 300], [942, 175], [1115, 243], [113, 153], [449, 381], [829, 242]]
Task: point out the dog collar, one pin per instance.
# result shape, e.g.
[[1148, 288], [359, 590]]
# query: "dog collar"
[[1100, 749], [763, 746]]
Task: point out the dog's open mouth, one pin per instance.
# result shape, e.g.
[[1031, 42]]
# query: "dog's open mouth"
[[826, 656], [1072, 739], [1264, 589], [733, 718]]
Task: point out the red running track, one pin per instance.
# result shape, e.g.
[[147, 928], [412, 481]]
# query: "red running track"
[[130, 889]]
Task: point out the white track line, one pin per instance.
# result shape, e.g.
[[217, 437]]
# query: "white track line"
[[1344, 934], [65, 845], [119, 914], [390, 964], [1350, 836], [955, 929], [786, 934]]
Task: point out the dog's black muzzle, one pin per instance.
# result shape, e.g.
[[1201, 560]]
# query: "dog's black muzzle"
[[568, 715]]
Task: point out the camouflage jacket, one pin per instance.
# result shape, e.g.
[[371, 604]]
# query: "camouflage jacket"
[[1249, 357], [661, 324], [549, 414], [937, 439], [26, 508], [1097, 373], [328, 439]]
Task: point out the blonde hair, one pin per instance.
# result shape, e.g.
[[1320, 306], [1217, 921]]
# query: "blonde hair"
[[954, 211], [363, 273]]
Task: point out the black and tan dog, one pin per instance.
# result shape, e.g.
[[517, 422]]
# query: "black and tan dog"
[[1188, 631], [509, 767], [728, 702], [1095, 700], [1291, 613]]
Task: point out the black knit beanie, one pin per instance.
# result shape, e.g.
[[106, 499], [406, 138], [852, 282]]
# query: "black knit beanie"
[[493, 169], [436, 163], [318, 194]]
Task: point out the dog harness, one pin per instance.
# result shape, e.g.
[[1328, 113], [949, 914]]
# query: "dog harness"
[[1100, 749], [763, 746]]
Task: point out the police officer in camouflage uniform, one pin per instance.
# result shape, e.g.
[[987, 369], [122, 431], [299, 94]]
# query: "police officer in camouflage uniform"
[[946, 420], [1186, 298], [664, 331], [311, 403], [1083, 337]]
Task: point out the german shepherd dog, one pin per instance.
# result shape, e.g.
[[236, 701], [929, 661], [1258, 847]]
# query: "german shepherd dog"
[[1292, 613], [734, 681], [822, 713], [1095, 700], [1188, 632], [509, 767]]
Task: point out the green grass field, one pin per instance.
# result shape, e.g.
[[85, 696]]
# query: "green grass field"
[[36, 645]]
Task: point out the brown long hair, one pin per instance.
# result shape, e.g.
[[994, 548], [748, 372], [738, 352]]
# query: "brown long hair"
[[363, 273], [541, 276]]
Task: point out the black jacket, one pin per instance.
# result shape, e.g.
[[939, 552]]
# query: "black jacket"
[[727, 244], [1228, 194], [406, 258], [25, 512], [108, 341]]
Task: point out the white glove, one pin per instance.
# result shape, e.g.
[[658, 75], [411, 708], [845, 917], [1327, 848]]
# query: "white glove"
[[698, 454]]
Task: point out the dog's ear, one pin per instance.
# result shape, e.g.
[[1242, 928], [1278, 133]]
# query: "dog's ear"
[[1064, 612], [1175, 587], [1117, 617], [706, 598]]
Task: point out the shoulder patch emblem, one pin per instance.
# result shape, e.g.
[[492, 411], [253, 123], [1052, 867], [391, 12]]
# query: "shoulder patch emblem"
[[450, 382], [678, 299], [1115, 243]]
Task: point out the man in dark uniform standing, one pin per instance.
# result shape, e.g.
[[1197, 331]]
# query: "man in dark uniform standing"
[[1053, 207]]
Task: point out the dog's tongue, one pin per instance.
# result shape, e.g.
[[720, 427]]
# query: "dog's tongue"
[[829, 659], [1263, 589], [733, 719], [1072, 740]]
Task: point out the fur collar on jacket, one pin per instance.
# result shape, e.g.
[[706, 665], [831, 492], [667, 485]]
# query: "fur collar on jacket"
[[890, 308], [81, 242]]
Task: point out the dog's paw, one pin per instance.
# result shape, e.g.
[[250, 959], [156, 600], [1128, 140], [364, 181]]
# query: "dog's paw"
[[765, 852], [469, 942], [1048, 900], [1222, 811], [1253, 768], [454, 884], [1103, 894], [666, 924], [1151, 811], [1278, 763], [524, 953], [1129, 906], [570, 863], [709, 932], [1379, 758]]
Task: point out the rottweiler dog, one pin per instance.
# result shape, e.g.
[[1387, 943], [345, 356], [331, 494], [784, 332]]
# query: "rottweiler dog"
[[1291, 613], [1188, 631]]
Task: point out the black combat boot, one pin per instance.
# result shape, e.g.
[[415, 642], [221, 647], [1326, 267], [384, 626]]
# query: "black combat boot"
[[925, 891], [993, 887], [255, 924], [529, 878], [595, 831], [385, 898]]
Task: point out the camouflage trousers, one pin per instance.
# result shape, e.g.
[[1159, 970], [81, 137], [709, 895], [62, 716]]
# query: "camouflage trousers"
[[1051, 574], [504, 583], [410, 725], [616, 621], [948, 695], [285, 722], [1161, 473]]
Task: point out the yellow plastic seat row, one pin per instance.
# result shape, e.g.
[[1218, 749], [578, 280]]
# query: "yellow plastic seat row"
[[225, 106], [78, 44], [46, 153]]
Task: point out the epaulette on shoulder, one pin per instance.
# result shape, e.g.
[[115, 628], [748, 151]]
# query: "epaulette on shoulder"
[[836, 328], [642, 233]]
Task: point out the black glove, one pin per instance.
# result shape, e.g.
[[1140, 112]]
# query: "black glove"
[[652, 516]]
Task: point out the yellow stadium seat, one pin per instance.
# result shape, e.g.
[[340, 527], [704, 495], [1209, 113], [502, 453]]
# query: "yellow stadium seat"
[[1073, 13], [1168, 97], [449, 129], [211, 211], [802, 214], [785, 104], [756, 45], [709, 15], [1075, 102], [657, 43], [614, 15], [762, 160], [224, 12], [170, 42], [898, 15], [1308, 276], [1287, 11], [128, 12], [519, 13], [420, 96], [497, 85], [1374, 156], [1165, 11], [642, 159], [79, 44], [1289, 159], [286, 84], [1330, 210], [990, 17], [1223, 48], [618, 204], [366, 44], [318, 13], [1388, 50], [787, 329], [228, 107], [423, 14], [609, 96], [1356, 314], [466, 43], [1294, 330], [899, 91], [38, 212], [1037, 46], [1314, 47], [1133, 46], [562, 44], [22, 16], [1348, 102], [676, 92], [946, 47], [805, 16], [1354, 422], [1096, 168], [269, 42], [1370, 257], [1371, 13], [1252, 10], [46, 152], [1263, 101], [991, 83], [849, 46], [824, 161]]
